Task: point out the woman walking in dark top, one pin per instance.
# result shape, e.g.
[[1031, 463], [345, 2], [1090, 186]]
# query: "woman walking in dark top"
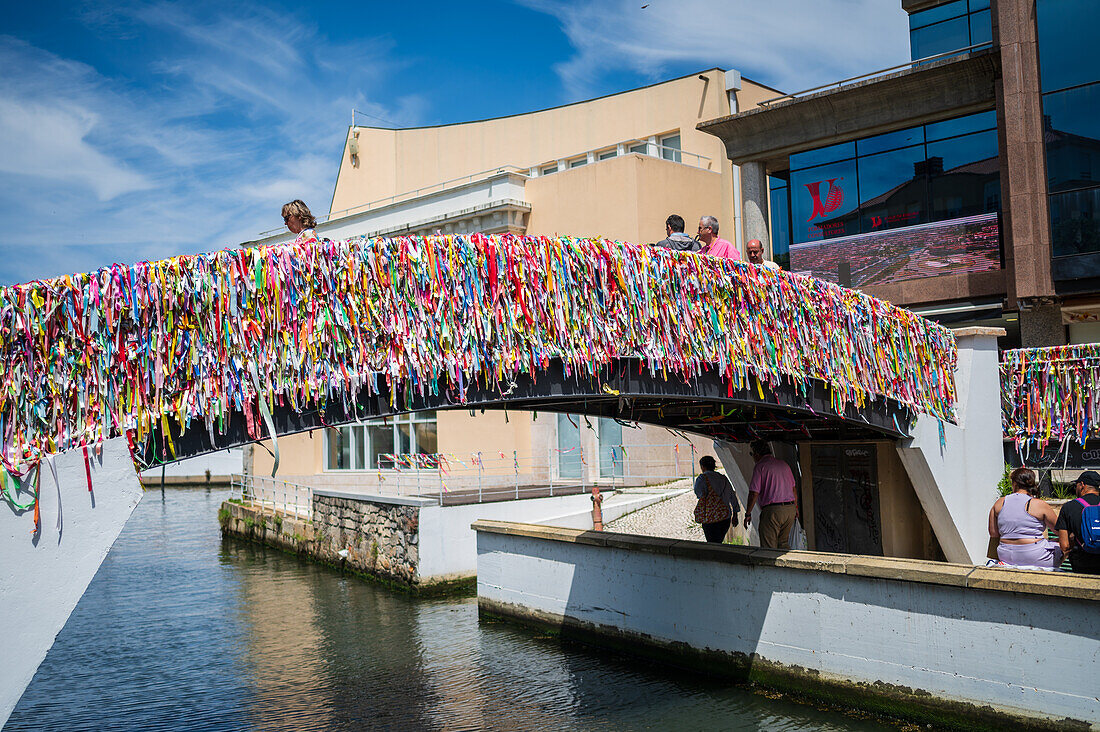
[[718, 506]]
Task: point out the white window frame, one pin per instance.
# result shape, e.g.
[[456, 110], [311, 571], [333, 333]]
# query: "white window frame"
[[366, 450], [667, 152]]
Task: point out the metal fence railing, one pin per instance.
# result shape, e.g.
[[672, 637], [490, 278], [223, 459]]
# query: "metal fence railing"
[[495, 476], [278, 495]]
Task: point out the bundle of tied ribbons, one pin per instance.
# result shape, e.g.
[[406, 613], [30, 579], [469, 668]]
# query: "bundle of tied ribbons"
[[1051, 394], [200, 339]]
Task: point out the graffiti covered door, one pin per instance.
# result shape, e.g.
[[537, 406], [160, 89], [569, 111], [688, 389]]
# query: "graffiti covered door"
[[846, 500]]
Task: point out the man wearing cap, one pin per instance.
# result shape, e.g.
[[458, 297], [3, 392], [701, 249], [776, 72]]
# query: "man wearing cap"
[[1069, 524], [772, 485], [755, 250]]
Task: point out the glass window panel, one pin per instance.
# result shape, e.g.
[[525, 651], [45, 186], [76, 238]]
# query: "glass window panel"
[[359, 447], [951, 35], [824, 202], [781, 227], [569, 443], [1073, 137], [608, 154], [379, 442], [427, 440], [1075, 222], [966, 177], [670, 148], [779, 179], [638, 148], [404, 436], [936, 14], [338, 448], [611, 440], [978, 5], [1068, 52], [961, 125], [578, 162], [428, 416], [549, 170], [823, 155], [981, 28], [893, 189], [890, 141]]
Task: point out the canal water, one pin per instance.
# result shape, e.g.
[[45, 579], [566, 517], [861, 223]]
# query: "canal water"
[[181, 630]]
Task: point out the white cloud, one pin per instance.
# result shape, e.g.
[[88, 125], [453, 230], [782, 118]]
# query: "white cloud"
[[237, 111], [788, 44], [50, 142]]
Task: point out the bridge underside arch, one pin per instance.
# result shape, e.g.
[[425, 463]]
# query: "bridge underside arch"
[[622, 390]]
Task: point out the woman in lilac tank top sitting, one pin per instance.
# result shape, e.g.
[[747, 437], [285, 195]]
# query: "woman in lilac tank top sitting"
[[1020, 521]]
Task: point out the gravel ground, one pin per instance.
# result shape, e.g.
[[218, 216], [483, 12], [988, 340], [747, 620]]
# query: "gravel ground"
[[672, 518]]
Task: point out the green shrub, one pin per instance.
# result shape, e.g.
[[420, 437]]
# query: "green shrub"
[[223, 516], [1004, 486]]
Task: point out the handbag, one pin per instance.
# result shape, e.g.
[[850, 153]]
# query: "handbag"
[[711, 509]]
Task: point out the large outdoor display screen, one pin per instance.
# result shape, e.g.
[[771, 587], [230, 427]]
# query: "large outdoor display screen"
[[970, 244]]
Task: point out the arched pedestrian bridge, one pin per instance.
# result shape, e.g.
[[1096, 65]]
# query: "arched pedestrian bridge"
[[197, 353]]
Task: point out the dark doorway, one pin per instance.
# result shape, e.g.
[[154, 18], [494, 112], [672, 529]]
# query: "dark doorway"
[[846, 505]]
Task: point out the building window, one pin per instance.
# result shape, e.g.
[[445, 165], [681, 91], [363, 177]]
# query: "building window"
[[670, 148], [639, 147], [1069, 73], [359, 447], [578, 162], [607, 154], [949, 27], [549, 169], [934, 172], [780, 209]]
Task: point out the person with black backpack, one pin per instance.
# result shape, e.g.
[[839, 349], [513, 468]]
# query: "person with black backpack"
[[1078, 525]]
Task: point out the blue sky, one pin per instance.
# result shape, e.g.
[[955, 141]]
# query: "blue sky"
[[139, 130]]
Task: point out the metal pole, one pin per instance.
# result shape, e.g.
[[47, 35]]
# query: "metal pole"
[[480, 473], [515, 471]]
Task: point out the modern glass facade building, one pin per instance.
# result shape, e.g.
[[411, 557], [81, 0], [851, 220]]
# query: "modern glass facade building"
[[964, 185]]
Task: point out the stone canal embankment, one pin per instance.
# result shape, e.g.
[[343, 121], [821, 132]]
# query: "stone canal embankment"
[[947, 644], [413, 543]]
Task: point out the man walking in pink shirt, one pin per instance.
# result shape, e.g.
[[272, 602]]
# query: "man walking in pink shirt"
[[772, 485], [713, 245]]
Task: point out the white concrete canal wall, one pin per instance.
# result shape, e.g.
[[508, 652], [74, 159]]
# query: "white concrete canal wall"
[[43, 576], [1007, 645]]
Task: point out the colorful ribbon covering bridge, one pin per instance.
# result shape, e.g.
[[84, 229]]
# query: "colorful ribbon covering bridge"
[[197, 353]]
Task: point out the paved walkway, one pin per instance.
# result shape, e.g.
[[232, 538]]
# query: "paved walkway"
[[672, 518]]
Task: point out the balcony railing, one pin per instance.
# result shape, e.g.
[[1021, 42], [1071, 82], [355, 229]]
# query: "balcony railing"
[[873, 74], [653, 149]]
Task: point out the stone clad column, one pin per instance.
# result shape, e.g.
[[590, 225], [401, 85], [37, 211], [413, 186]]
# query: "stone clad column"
[[754, 204]]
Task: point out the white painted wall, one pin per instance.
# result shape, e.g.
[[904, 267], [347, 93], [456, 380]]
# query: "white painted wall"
[[448, 546], [41, 580], [956, 482], [976, 646], [221, 464]]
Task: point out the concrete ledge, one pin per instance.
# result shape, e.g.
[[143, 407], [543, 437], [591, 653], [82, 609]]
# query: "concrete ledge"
[[995, 579], [393, 500]]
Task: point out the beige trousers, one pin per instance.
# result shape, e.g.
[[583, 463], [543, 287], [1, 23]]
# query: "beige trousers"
[[776, 522]]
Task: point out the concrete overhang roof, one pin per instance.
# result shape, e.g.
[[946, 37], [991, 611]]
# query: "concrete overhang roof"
[[927, 93]]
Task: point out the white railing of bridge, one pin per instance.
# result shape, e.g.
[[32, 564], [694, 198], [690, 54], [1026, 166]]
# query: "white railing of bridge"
[[277, 495], [495, 476]]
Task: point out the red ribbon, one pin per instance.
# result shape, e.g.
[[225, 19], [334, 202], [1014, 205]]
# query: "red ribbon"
[[88, 468]]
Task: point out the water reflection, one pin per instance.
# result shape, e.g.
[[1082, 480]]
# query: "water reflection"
[[180, 630]]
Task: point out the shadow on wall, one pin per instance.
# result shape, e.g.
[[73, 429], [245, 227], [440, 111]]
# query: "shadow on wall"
[[744, 617]]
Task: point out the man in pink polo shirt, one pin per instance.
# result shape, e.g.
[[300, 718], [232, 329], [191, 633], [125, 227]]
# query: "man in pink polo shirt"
[[772, 485], [714, 245]]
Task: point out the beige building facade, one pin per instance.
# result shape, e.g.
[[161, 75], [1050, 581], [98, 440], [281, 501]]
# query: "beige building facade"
[[615, 167]]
